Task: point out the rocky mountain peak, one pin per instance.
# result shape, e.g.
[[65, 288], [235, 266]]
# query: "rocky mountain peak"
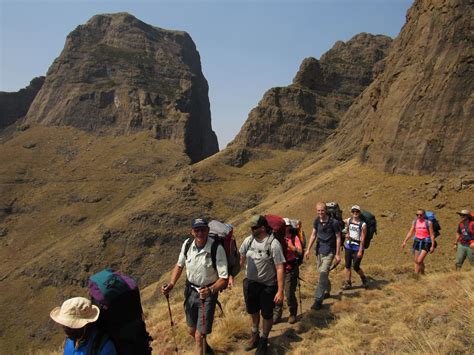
[[118, 75], [416, 116], [305, 113]]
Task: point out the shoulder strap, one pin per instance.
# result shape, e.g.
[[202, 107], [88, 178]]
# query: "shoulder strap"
[[268, 244], [187, 246], [427, 225], [99, 341], [214, 246]]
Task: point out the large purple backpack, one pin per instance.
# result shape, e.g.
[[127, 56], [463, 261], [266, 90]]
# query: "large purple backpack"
[[121, 314]]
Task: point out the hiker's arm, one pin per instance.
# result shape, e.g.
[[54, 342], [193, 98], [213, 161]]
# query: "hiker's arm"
[[220, 284], [338, 246], [409, 235], [432, 236], [362, 240], [298, 247], [175, 275], [280, 269], [311, 242]]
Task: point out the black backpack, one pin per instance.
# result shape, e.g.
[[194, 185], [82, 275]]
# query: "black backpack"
[[121, 314], [334, 211], [371, 222]]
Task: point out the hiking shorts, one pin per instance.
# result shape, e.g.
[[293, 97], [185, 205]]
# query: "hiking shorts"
[[259, 297], [351, 255], [193, 310], [421, 244]]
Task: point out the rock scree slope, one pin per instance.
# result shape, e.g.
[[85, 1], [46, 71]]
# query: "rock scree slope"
[[117, 74]]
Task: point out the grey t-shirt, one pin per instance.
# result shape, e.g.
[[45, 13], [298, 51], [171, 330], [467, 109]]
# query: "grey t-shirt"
[[261, 265]]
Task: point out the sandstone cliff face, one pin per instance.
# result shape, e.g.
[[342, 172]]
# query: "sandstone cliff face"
[[15, 105], [417, 116], [117, 75], [305, 113]]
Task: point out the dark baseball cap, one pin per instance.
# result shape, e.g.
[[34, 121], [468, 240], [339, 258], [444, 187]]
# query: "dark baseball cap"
[[199, 222], [258, 221]]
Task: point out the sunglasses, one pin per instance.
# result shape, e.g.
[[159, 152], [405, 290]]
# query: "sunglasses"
[[355, 211], [256, 227], [419, 215]]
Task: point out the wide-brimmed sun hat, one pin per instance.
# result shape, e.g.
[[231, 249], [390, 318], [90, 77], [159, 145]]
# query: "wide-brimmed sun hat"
[[464, 212], [75, 313]]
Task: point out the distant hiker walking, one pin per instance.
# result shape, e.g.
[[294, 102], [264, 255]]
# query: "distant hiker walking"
[[203, 282], [78, 316], [263, 256], [354, 247], [464, 243], [423, 240], [327, 232], [294, 253]]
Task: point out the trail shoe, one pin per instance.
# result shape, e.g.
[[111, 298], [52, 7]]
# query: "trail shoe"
[[276, 319], [317, 305], [365, 282], [253, 342], [327, 294], [262, 346], [292, 319], [346, 285]]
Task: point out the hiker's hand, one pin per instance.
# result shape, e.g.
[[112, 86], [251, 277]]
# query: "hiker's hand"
[[278, 297], [230, 284], [360, 254], [338, 258], [432, 249], [165, 289], [204, 292], [404, 243], [306, 255], [455, 246]]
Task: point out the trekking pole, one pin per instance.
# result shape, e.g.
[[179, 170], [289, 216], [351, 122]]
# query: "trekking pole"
[[203, 327], [173, 330], [299, 296]]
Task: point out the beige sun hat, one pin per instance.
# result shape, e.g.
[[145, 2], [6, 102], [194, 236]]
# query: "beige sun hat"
[[464, 212], [75, 313]]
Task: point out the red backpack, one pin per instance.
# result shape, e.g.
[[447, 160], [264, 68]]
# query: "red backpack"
[[278, 228]]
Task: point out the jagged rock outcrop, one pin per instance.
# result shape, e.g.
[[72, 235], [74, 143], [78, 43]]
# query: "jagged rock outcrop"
[[305, 113], [117, 74], [15, 105], [417, 116]]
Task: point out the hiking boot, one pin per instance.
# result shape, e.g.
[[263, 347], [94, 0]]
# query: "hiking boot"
[[317, 305], [292, 319], [327, 294], [253, 342], [276, 319], [365, 283], [209, 350], [262, 346], [346, 285]]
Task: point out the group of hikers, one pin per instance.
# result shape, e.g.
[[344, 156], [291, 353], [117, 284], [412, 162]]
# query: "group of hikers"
[[271, 254]]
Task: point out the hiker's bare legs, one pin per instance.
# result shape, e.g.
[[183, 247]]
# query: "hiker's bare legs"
[[266, 326], [348, 274], [419, 261], [197, 339], [255, 320]]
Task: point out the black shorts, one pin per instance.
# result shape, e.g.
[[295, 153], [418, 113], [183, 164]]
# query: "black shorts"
[[422, 244], [351, 255], [259, 297]]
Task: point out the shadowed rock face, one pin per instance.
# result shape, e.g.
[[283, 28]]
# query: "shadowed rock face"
[[15, 105], [305, 113], [118, 75], [417, 116]]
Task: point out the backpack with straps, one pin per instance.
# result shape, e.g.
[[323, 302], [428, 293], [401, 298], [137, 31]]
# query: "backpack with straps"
[[467, 229], [371, 222], [430, 216], [221, 234], [121, 314], [295, 230]]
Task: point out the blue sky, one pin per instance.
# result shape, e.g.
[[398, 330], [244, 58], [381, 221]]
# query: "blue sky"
[[246, 47]]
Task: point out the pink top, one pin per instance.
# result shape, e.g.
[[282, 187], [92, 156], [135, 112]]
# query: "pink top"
[[291, 255], [420, 229]]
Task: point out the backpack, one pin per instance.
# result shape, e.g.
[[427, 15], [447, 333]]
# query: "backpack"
[[223, 233], [334, 211], [277, 227], [436, 226], [468, 227], [371, 222], [121, 314]]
